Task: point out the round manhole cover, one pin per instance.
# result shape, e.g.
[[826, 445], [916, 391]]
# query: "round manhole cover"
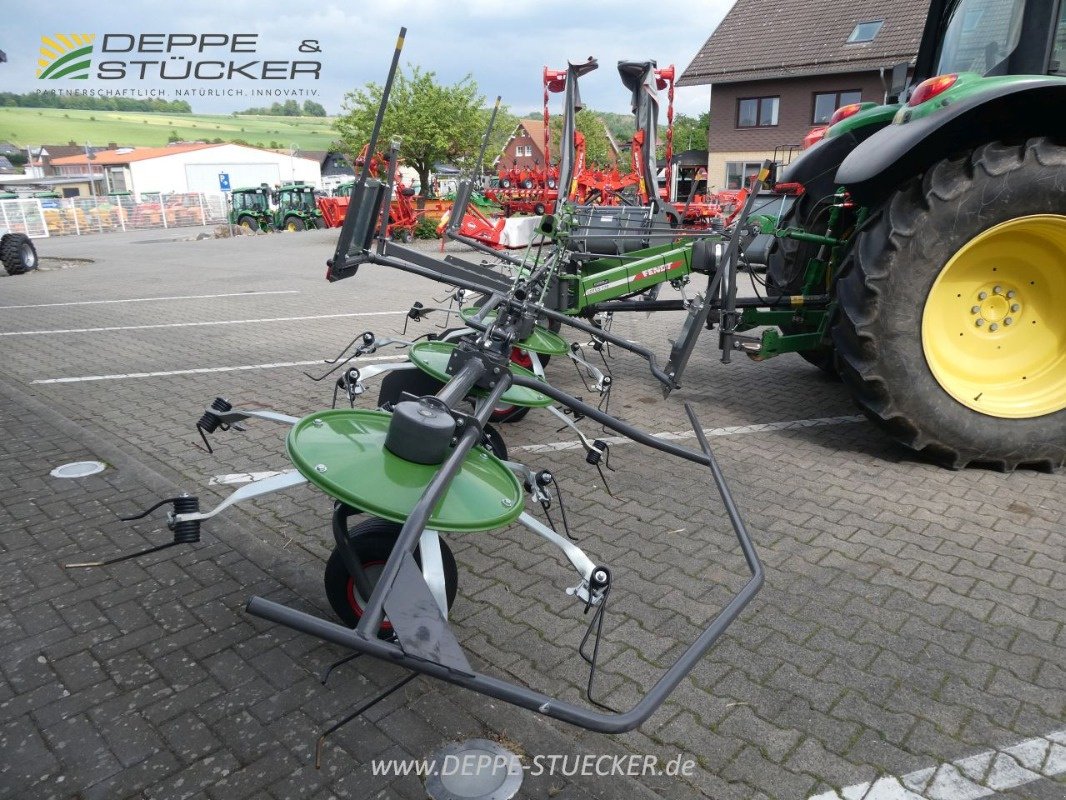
[[477, 769], [78, 469]]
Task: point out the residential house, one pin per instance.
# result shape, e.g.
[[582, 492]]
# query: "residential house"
[[525, 147], [777, 69]]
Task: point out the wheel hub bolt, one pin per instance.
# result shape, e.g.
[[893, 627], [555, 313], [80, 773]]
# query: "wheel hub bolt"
[[1016, 308], [1011, 293], [993, 327], [980, 322], [982, 296], [975, 310], [997, 290], [1008, 321]]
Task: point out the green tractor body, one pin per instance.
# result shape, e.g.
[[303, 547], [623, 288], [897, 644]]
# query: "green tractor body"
[[250, 208], [924, 251], [296, 208]]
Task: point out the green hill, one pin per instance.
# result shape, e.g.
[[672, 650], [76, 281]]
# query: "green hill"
[[34, 126]]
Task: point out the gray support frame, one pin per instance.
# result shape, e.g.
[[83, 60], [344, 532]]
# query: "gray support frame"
[[364, 640]]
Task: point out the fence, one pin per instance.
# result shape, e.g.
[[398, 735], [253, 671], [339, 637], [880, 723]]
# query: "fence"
[[77, 216], [23, 216]]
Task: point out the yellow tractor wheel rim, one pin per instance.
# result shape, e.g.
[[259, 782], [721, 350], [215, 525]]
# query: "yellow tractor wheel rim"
[[290, 226], [994, 325]]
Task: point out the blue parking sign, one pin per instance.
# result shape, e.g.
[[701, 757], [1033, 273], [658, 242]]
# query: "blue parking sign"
[[223, 181]]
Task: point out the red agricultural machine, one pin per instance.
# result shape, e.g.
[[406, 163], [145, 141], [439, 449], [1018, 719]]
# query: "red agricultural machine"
[[403, 216]]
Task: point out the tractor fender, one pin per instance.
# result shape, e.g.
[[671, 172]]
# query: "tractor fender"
[[1011, 112]]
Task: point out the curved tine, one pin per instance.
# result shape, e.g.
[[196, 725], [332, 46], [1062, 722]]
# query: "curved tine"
[[336, 366], [340, 355]]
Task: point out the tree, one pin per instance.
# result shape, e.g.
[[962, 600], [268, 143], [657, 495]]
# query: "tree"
[[598, 150], [690, 133], [313, 109], [434, 122]]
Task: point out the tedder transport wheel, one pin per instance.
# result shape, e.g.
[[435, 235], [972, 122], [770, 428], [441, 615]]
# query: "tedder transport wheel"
[[951, 333], [373, 539], [17, 254]]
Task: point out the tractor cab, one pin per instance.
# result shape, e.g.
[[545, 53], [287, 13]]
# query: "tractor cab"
[[297, 208], [250, 207]]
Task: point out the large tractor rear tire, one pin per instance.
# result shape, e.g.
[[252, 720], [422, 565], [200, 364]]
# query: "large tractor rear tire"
[[17, 253], [951, 333]]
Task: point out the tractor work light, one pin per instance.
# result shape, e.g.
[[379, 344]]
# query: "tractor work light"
[[930, 88]]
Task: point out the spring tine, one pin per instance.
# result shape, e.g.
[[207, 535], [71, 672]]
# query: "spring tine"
[[148, 511], [361, 709], [117, 559]]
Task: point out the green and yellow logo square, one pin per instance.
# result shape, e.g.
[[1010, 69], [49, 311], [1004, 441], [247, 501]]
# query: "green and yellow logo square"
[[65, 55]]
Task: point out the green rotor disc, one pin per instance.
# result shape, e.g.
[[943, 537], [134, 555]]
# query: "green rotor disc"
[[342, 452], [541, 341], [432, 358]]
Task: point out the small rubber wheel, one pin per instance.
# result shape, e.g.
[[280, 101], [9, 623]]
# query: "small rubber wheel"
[[18, 254], [505, 183], [373, 540], [551, 183], [539, 209], [407, 236], [527, 183]]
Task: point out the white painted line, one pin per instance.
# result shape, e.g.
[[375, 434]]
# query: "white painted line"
[[151, 299], [203, 370], [202, 324], [968, 778], [241, 477], [735, 430]]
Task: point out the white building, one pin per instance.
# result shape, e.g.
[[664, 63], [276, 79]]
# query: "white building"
[[183, 168]]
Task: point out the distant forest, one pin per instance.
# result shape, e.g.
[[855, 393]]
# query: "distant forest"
[[290, 108], [86, 103]]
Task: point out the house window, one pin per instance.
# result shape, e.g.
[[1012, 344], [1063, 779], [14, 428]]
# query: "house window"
[[738, 174], [865, 31], [825, 103], [523, 150], [757, 112]]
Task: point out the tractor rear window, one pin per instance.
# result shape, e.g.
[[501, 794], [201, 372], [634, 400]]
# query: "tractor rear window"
[[979, 34]]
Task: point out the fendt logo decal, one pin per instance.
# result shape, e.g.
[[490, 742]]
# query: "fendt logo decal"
[[65, 55]]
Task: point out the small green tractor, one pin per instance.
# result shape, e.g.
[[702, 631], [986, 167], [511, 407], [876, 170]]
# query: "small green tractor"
[[296, 208], [250, 208]]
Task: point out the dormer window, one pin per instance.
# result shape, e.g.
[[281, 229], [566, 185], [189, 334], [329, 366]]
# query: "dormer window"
[[865, 31]]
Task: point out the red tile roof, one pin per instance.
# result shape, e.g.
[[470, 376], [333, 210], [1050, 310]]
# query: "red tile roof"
[[114, 157]]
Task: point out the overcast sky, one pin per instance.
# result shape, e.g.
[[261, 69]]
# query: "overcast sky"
[[504, 44]]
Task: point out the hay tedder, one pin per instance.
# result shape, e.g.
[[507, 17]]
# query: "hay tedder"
[[921, 253], [426, 464]]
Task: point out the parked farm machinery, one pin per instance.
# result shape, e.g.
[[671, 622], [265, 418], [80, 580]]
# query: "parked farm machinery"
[[927, 203], [426, 464]]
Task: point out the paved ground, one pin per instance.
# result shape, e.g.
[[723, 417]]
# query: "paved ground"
[[913, 618]]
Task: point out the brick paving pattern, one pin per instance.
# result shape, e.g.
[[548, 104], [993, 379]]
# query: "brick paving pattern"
[[912, 616]]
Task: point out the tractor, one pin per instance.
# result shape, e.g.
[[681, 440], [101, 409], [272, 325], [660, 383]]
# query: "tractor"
[[296, 208], [919, 249], [250, 208]]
